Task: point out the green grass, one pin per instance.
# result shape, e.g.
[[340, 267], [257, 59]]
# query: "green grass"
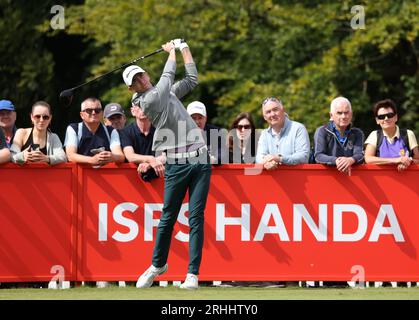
[[211, 293]]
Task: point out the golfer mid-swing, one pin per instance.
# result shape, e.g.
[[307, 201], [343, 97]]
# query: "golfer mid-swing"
[[187, 168]]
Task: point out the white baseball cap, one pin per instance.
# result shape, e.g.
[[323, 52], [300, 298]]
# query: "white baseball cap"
[[197, 107], [130, 72]]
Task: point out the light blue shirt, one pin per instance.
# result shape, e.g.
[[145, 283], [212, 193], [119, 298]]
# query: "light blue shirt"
[[72, 138], [292, 143]]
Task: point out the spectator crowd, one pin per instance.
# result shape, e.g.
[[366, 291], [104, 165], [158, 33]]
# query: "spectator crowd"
[[164, 133], [103, 136]]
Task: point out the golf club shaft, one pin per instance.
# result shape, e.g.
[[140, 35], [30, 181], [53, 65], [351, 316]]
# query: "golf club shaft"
[[68, 93], [118, 68]]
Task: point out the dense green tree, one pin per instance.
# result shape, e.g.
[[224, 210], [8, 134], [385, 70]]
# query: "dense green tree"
[[34, 64], [305, 52], [25, 64]]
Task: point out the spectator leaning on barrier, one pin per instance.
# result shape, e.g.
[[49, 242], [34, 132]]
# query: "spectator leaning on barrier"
[[90, 141], [38, 144], [114, 116], [242, 139], [187, 167], [338, 143], [4, 151], [198, 112], [137, 143], [8, 120], [390, 144], [285, 141]]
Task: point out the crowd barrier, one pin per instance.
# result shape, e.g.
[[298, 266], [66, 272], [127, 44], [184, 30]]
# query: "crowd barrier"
[[306, 222]]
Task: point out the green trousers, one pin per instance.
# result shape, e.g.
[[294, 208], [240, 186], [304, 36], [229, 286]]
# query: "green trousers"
[[178, 179]]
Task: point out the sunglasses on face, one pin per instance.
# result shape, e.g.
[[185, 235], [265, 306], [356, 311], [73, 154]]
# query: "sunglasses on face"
[[241, 127], [90, 111], [43, 116], [388, 115]]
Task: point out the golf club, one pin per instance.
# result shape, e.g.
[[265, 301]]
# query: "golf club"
[[68, 93]]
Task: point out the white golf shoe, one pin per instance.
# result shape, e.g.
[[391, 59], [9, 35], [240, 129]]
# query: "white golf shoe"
[[191, 282], [147, 278], [102, 284]]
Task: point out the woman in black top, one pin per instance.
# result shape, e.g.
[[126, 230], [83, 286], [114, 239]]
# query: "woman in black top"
[[242, 139], [38, 144]]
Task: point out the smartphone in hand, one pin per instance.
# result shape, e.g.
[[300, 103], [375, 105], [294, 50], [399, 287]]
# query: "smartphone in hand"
[[98, 150]]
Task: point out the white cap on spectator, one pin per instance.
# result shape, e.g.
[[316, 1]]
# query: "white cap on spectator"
[[197, 107]]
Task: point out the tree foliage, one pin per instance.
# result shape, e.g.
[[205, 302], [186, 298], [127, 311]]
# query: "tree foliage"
[[304, 52], [25, 64]]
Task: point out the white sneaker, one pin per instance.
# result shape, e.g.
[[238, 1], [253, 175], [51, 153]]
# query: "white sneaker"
[[52, 285], [147, 278], [65, 285], [102, 284], [191, 282]]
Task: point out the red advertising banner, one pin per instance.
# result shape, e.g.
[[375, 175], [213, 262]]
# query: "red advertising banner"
[[37, 219], [297, 223], [305, 222]]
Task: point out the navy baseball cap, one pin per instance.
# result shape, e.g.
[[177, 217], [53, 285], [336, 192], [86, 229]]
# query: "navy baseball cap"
[[112, 109], [7, 105]]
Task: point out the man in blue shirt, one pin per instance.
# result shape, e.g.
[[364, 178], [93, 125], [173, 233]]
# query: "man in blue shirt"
[[285, 141], [339, 143], [7, 121], [90, 141]]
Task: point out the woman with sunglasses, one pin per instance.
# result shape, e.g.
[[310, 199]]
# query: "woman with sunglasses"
[[390, 144], [242, 140], [38, 144]]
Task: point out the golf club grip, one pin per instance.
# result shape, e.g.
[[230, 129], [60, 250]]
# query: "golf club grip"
[[150, 54]]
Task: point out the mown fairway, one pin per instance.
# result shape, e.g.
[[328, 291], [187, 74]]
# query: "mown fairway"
[[211, 293]]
